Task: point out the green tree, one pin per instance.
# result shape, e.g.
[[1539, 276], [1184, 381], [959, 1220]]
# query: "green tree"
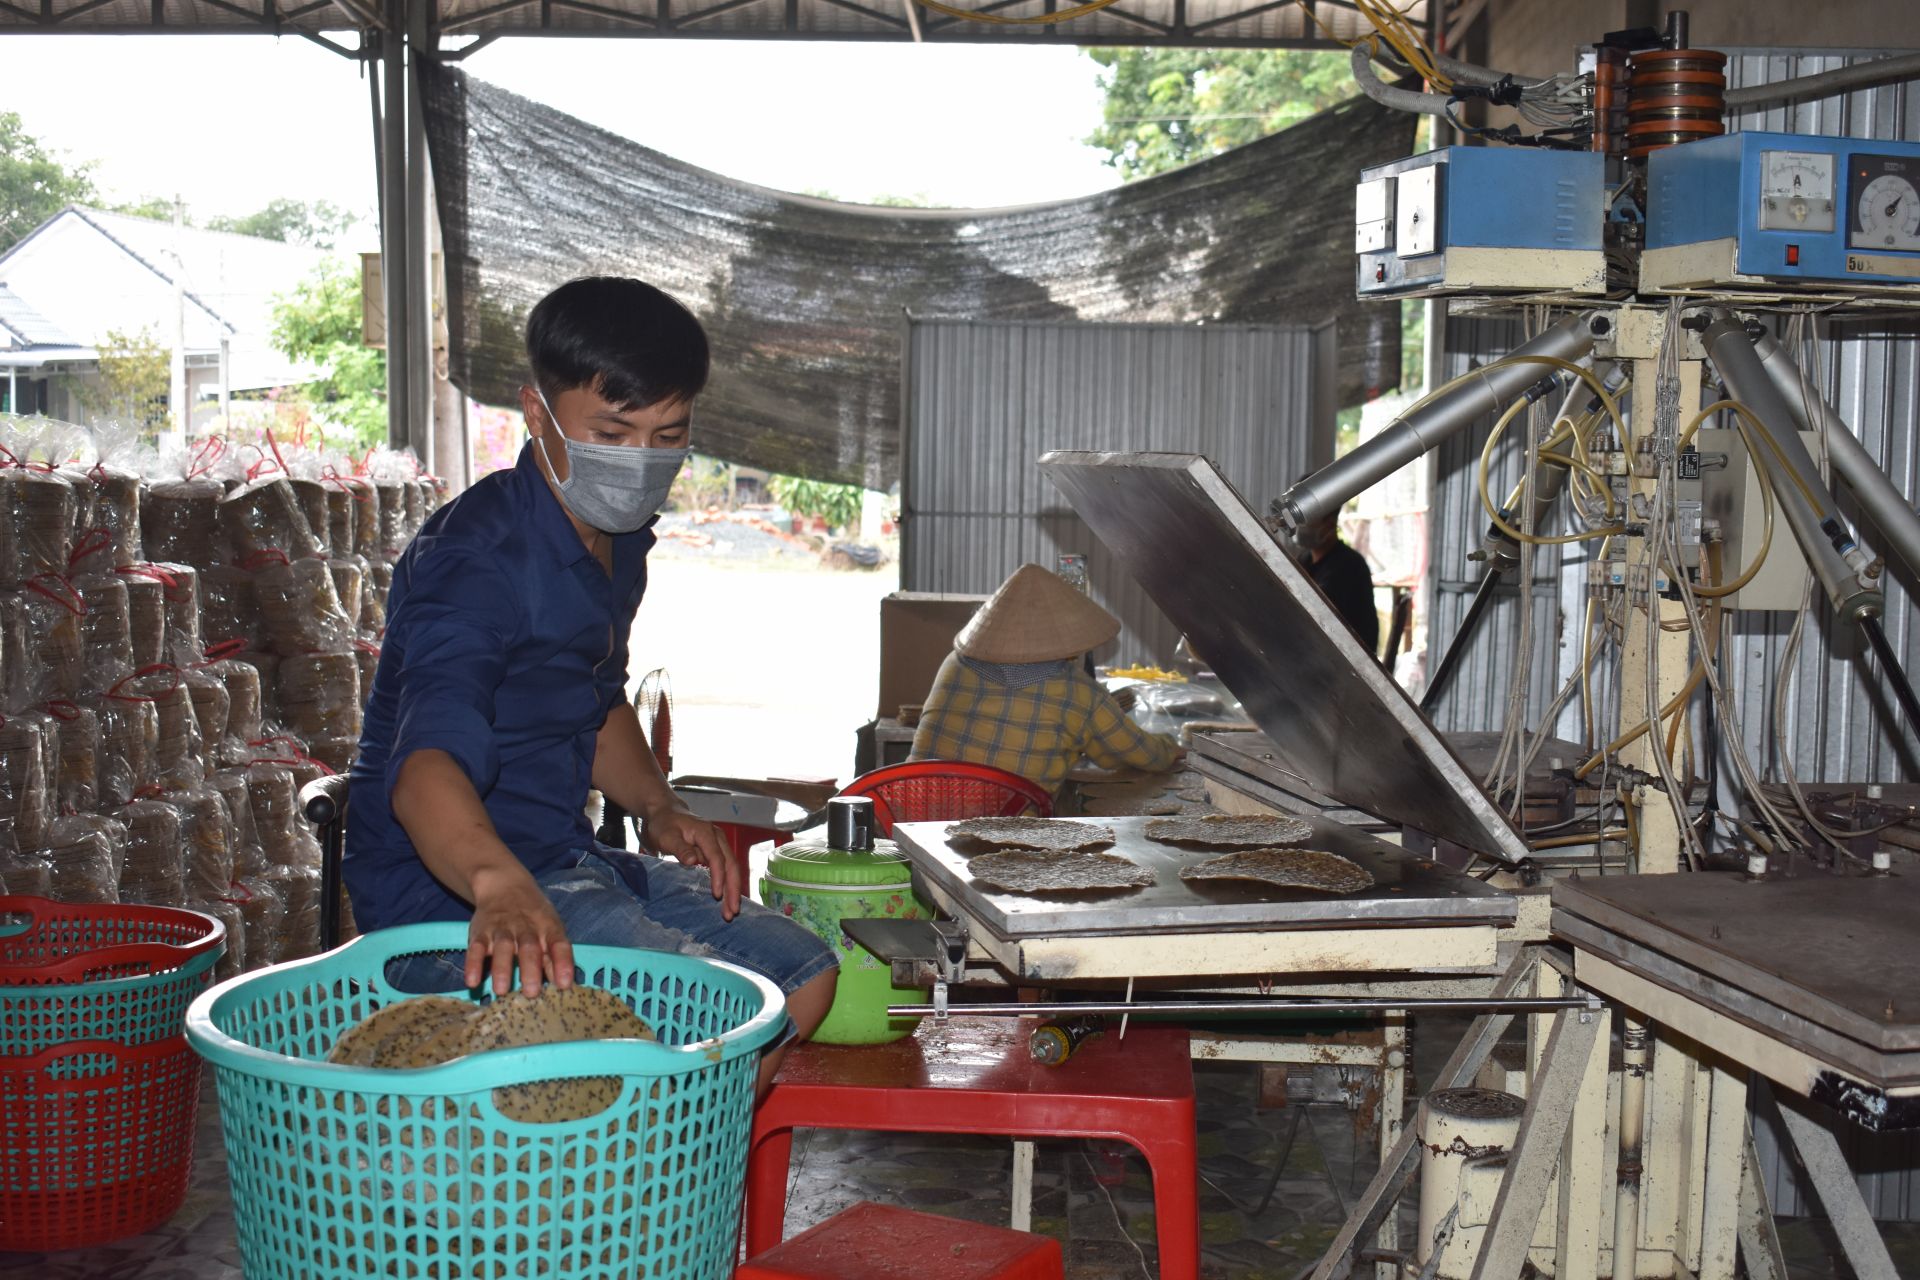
[[837, 504], [319, 322], [1169, 107], [35, 184], [134, 378], [318, 223]]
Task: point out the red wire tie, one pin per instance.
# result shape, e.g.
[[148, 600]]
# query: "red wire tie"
[[152, 668], [98, 472], [203, 455], [274, 445], [148, 569], [71, 601], [257, 560], [63, 709], [35, 464], [246, 894], [360, 467], [92, 542], [293, 745], [330, 475], [366, 646], [223, 650], [8, 458]]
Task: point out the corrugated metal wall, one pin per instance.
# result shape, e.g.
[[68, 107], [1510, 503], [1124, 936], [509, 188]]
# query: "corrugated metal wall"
[[1835, 724], [1476, 701], [984, 400]]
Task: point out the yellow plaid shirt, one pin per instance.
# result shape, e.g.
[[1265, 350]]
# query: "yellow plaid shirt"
[[1039, 731]]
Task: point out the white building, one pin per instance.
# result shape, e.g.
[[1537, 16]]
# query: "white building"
[[85, 273]]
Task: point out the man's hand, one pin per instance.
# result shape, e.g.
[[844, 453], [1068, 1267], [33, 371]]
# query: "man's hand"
[[670, 829], [512, 919]]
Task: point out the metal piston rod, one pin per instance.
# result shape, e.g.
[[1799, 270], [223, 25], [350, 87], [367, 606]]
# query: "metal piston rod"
[[1116, 1008], [1423, 428]]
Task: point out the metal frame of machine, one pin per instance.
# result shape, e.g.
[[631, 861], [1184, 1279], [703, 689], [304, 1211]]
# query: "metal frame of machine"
[[1648, 1034]]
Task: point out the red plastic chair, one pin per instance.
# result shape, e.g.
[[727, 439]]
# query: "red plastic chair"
[[946, 791], [974, 1075]]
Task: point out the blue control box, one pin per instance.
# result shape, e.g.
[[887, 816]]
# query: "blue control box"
[[1481, 220], [1766, 210]]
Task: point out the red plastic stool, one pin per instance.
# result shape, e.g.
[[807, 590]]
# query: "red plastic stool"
[[876, 1242], [974, 1075]]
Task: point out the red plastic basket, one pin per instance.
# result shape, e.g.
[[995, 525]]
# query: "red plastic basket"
[[98, 1141], [88, 971]]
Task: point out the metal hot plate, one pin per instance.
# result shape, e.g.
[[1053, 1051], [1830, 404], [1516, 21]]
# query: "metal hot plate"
[[1824, 962], [1337, 721], [1406, 890]]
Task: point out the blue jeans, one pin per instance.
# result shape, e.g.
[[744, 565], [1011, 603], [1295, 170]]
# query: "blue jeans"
[[616, 898]]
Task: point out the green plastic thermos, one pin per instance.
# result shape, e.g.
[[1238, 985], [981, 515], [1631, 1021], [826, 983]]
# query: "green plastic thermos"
[[819, 883]]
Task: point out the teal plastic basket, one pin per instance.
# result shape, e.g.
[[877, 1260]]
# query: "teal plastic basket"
[[352, 1172]]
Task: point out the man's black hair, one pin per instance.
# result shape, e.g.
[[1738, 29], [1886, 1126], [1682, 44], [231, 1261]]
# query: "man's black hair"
[[624, 340]]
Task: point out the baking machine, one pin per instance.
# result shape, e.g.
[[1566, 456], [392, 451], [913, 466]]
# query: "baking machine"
[[1677, 962]]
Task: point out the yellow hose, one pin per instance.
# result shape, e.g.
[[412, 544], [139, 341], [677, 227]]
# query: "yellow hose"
[[1483, 476]]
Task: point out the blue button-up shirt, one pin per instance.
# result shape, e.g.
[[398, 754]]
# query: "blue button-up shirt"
[[506, 647]]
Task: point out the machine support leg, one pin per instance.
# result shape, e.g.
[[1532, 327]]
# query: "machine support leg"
[[1383, 1192], [1393, 1106], [1022, 1185], [1759, 1241], [1726, 1159], [1543, 1129], [1583, 1166], [1839, 1194]]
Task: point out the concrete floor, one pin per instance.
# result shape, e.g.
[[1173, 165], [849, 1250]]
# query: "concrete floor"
[[1092, 1197]]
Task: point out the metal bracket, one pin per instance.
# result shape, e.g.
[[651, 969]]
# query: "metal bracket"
[[920, 953]]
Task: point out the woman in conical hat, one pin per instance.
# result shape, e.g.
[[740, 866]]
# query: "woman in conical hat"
[[1013, 693]]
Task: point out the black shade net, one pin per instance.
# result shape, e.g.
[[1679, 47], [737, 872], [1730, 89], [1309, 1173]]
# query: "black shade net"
[[805, 299]]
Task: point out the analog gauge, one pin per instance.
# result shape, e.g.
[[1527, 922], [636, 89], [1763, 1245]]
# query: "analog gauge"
[[1796, 191], [1886, 204]]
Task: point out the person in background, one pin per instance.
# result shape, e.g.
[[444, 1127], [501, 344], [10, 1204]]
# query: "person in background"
[[1013, 693], [1342, 573], [501, 692]]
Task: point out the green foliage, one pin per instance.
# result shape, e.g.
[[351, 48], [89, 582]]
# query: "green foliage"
[[319, 322], [703, 483], [319, 223], [34, 183], [1169, 107], [158, 208], [134, 379], [837, 504]]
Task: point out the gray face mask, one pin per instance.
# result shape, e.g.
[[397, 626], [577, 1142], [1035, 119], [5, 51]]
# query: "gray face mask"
[[615, 488]]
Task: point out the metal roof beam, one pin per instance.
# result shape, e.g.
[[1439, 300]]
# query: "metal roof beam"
[[1228, 19], [899, 24], [711, 11], [28, 14], [606, 11], [361, 15], [88, 7], [450, 26]]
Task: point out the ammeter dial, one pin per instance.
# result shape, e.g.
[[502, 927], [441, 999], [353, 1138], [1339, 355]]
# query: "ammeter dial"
[[1886, 204], [1796, 191]]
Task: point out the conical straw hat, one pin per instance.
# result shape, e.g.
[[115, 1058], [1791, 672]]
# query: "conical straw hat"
[[1035, 617]]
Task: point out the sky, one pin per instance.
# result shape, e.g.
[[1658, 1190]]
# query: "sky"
[[231, 122]]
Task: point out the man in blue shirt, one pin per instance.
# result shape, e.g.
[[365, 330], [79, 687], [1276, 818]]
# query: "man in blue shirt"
[[501, 692]]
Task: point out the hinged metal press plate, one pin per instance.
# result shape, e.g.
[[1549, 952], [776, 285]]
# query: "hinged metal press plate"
[[1336, 720]]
